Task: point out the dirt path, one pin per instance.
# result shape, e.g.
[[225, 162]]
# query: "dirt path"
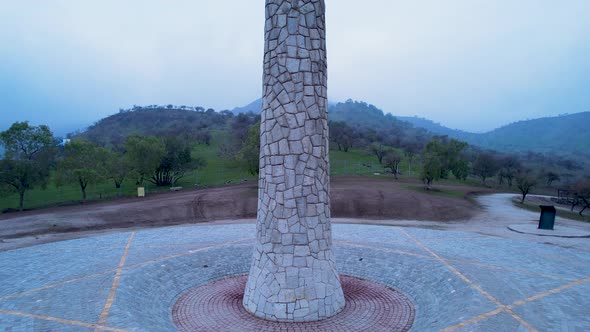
[[378, 198], [354, 200]]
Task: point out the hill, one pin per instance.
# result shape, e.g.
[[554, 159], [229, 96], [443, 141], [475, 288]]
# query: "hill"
[[565, 135], [371, 119], [112, 130], [254, 107], [436, 128]]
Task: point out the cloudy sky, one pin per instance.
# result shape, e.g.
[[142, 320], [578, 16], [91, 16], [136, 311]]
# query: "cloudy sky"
[[469, 64]]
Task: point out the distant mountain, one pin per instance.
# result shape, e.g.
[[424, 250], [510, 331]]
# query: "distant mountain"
[[565, 135], [254, 107], [436, 128]]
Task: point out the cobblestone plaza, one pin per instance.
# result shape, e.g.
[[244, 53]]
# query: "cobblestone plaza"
[[457, 281]]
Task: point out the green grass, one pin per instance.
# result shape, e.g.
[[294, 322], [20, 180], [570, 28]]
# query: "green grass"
[[219, 172], [560, 213], [437, 191]]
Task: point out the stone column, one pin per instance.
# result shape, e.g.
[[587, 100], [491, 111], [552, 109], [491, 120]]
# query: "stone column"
[[293, 275]]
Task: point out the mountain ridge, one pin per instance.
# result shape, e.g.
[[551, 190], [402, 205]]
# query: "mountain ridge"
[[562, 134]]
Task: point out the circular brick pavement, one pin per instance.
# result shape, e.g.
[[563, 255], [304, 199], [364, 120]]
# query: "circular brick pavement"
[[218, 306]]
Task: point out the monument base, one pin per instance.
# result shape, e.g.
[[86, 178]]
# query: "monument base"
[[217, 306]]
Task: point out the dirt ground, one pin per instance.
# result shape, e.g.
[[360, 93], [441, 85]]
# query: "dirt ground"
[[378, 198]]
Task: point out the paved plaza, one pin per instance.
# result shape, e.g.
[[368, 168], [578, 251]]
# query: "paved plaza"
[[457, 281]]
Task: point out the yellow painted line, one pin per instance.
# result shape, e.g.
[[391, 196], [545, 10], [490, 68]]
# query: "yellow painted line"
[[495, 267], [452, 268], [516, 304], [60, 320], [473, 320], [109, 303], [472, 284], [549, 292], [350, 244], [114, 270], [221, 245], [56, 284]]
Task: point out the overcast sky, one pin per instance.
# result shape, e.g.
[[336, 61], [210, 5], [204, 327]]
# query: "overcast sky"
[[469, 64]]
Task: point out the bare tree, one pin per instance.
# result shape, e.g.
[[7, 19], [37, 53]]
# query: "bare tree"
[[552, 177], [392, 160], [525, 183], [581, 195], [379, 150]]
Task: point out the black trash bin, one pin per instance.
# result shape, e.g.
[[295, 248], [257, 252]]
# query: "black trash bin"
[[547, 220]]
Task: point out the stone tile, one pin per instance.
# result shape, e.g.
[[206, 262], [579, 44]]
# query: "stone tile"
[[9, 323], [566, 311], [499, 322], [508, 287], [80, 301]]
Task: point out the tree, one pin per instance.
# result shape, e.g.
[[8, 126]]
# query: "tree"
[[240, 126], [509, 167], [485, 166], [144, 154], [411, 150], [432, 168], [117, 167], [29, 153], [83, 164], [551, 177], [176, 161], [379, 150], [582, 195], [455, 159], [250, 152], [202, 137], [392, 160], [460, 169], [342, 135], [442, 156], [23, 142], [524, 183]]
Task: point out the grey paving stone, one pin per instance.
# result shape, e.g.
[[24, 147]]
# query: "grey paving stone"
[[567, 311], [146, 292], [9, 323], [500, 322], [80, 301]]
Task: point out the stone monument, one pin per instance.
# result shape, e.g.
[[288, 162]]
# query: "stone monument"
[[293, 275]]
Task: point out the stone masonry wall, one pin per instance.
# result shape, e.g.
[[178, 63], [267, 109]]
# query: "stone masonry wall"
[[293, 275]]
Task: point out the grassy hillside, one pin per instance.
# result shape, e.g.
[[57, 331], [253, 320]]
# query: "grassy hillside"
[[218, 172], [436, 128], [565, 135], [112, 130]]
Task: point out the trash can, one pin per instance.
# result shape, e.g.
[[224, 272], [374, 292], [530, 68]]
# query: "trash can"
[[547, 220], [140, 192]]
